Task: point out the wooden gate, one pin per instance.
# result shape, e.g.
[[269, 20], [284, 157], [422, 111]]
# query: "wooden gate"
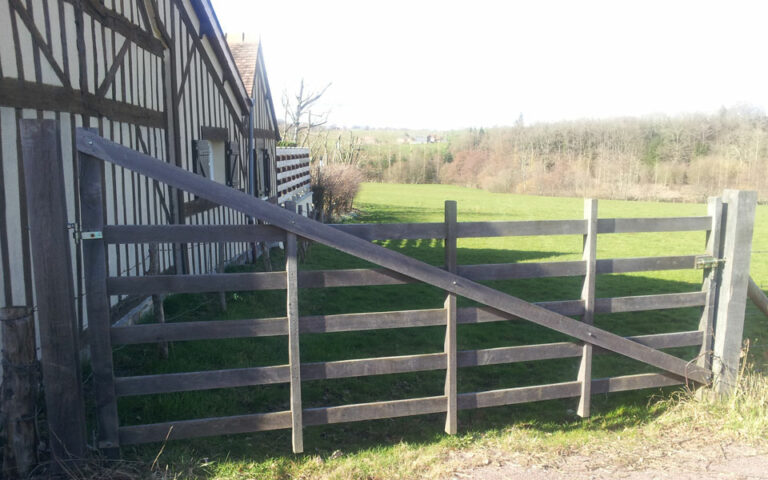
[[725, 241]]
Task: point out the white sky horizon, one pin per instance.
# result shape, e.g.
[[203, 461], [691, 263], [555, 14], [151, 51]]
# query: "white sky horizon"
[[446, 65]]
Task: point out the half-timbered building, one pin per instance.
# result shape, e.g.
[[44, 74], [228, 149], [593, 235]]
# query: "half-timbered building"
[[154, 75]]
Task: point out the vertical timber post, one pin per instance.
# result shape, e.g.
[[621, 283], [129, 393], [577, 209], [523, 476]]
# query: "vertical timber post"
[[451, 416], [54, 289], [294, 357], [19, 391], [158, 309], [589, 256], [97, 303], [222, 260], [732, 290], [710, 281]]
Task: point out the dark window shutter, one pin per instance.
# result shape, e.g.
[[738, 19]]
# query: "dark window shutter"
[[267, 171], [201, 157], [232, 160]]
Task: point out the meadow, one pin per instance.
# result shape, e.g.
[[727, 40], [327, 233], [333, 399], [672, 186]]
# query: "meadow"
[[377, 449]]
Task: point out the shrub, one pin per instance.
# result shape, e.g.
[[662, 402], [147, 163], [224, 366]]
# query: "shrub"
[[334, 187]]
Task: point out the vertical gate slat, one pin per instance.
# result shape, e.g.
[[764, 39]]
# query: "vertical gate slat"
[[97, 304], [588, 296], [451, 418], [710, 280], [294, 358]]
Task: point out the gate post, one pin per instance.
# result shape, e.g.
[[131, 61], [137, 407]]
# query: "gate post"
[[714, 247], [54, 289], [589, 256], [97, 303], [739, 213], [451, 416]]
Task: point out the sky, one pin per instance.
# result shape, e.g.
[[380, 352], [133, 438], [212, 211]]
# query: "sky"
[[451, 65]]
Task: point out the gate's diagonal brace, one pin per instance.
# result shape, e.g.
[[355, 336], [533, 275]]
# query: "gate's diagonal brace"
[[91, 144]]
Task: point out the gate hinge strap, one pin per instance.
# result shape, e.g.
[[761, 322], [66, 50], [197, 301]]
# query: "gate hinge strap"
[[708, 261]]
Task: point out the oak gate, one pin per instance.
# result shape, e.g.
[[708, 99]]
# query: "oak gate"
[[725, 262]]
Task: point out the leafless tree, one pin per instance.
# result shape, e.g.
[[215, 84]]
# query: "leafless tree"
[[299, 118]]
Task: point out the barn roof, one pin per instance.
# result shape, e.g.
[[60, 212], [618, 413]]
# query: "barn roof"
[[209, 25], [246, 54], [249, 60]]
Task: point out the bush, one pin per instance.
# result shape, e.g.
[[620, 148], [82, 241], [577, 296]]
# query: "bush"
[[334, 187]]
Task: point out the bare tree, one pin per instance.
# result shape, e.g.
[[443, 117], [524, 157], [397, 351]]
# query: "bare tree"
[[298, 113]]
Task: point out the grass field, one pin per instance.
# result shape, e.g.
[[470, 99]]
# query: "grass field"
[[370, 449]]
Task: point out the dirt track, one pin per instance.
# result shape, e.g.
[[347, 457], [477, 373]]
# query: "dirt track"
[[719, 461]]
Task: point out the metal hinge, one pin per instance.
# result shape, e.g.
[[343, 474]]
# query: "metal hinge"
[[707, 261], [79, 235]]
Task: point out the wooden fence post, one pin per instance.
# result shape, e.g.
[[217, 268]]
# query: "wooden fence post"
[[222, 260], [158, 309], [451, 416], [54, 289], [589, 255], [294, 357], [19, 392], [732, 290], [97, 303], [710, 281]]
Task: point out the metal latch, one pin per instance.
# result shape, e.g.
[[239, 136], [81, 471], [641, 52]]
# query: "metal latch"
[[707, 261], [79, 235]]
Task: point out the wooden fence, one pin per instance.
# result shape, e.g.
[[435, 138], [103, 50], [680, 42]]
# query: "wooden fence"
[[727, 237]]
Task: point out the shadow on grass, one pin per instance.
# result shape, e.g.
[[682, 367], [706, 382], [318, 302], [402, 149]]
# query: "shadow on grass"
[[615, 411]]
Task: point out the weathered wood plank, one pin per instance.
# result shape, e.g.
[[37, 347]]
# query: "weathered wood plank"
[[521, 228], [191, 381], [589, 255], [206, 427], [52, 273], [732, 289], [756, 294], [549, 351], [645, 264], [511, 396], [635, 382], [123, 234], [374, 411], [294, 358], [315, 231], [210, 330], [451, 415], [230, 282], [372, 366], [650, 302], [97, 303], [505, 271], [710, 280], [666, 224], [375, 277], [393, 231]]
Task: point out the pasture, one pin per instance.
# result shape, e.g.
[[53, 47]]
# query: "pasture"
[[379, 446]]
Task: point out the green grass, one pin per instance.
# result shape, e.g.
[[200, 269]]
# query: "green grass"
[[267, 455]]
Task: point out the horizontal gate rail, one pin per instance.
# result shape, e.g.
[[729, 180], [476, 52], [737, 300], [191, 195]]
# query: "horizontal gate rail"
[[260, 422], [116, 234], [220, 329], [360, 277], [242, 377]]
